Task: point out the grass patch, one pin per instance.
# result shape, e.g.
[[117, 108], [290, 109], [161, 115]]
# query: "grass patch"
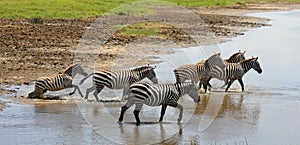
[[89, 8], [144, 29]]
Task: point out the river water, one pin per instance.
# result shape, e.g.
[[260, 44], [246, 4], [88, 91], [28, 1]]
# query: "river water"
[[267, 113]]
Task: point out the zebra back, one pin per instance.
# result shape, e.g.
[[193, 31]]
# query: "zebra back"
[[186, 72], [236, 70]]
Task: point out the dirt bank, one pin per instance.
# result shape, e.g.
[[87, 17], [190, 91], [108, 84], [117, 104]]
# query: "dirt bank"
[[29, 51]]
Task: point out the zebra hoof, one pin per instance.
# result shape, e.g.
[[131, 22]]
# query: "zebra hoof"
[[120, 119], [137, 123], [178, 120]]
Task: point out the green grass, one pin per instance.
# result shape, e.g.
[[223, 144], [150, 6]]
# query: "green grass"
[[89, 8], [142, 29]]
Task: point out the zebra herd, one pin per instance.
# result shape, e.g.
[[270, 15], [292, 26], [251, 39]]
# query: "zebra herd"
[[187, 77]]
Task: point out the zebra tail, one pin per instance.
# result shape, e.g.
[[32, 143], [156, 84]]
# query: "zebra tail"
[[85, 78]]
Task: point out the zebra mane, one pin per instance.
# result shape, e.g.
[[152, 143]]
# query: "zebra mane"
[[142, 68], [248, 60], [235, 55], [69, 70], [213, 56]]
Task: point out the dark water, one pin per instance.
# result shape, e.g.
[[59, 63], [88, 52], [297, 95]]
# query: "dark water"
[[266, 113]]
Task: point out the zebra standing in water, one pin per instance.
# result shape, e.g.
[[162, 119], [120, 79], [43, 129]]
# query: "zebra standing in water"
[[156, 95], [234, 58], [200, 71], [121, 79], [59, 82], [236, 71]]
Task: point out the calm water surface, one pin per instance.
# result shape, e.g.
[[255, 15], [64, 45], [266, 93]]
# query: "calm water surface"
[[267, 113]]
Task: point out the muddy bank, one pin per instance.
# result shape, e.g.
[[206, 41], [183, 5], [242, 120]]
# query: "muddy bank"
[[29, 51]]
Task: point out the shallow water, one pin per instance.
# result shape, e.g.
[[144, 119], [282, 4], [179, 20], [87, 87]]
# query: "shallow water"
[[266, 113]]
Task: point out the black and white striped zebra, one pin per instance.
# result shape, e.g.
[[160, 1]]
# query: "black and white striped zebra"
[[236, 71], [200, 71], [59, 82], [234, 58], [156, 95], [121, 79]]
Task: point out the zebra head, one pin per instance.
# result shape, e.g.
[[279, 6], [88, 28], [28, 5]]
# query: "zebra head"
[[236, 57], [256, 65], [147, 72], [215, 60], [190, 89], [75, 69]]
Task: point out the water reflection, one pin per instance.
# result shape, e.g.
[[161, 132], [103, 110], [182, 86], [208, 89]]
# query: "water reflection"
[[235, 119]]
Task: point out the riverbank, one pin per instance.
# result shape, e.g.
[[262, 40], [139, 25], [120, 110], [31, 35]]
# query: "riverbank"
[[30, 51]]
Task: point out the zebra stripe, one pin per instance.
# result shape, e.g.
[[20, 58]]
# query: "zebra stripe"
[[56, 83], [236, 71], [234, 58], [156, 95], [121, 79], [199, 71]]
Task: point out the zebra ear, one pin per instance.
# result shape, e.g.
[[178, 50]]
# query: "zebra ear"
[[256, 58], [244, 52]]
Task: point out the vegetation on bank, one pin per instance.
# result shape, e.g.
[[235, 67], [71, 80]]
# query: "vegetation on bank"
[[89, 8]]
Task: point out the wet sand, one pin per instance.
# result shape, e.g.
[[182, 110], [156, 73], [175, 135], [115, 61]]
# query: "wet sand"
[[266, 113]]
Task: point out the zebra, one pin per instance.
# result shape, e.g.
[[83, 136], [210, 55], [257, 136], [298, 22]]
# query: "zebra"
[[200, 71], [121, 79], [236, 71], [234, 58], [59, 82], [156, 95]]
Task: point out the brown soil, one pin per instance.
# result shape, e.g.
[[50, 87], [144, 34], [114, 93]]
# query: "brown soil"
[[29, 51]]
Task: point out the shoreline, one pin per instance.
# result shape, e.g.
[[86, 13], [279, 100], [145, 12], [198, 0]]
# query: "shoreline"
[[25, 61]]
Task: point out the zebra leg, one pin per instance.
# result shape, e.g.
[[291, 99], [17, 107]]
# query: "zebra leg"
[[136, 115], [98, 90], [136, 112], [208, 84], [125, 92], [229, 84], [176, 105], [76, 88], [123, 109], [180, 113], [205, 85], [242, 84], [73, 91], [162, 113], [88, 91], [200, 85]]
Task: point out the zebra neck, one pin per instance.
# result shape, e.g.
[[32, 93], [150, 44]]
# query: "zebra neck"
[[69, 71], [141, 74], [180, 88], [208, 65], [247, 65]]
